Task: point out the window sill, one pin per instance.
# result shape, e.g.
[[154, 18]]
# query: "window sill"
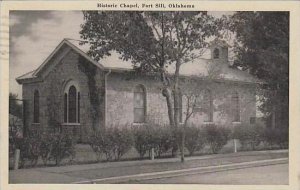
[[35, 123], [70, 124], [138, 124], [208, 122], [236, 122]]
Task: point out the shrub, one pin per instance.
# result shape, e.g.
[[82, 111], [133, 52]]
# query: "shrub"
[[279, 137], [113, 142], [195, 139], [216, 137], [143, 139], [29, 149], [49, 146], [61, 146], [122, 140], [101, 143], [249, 135], [162, 140]]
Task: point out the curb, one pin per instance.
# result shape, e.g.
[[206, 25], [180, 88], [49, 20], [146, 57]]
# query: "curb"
[[184, 172]]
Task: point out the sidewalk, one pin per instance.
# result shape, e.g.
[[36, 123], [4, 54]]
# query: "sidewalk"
[[111, 172]]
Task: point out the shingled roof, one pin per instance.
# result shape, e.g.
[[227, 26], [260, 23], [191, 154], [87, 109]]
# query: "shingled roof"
[[199, 67]]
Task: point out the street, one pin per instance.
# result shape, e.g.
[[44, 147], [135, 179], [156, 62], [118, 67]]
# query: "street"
[[257, 167], [263, 175]]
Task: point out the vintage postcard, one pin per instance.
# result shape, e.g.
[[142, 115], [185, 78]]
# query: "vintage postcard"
[[150, 94]]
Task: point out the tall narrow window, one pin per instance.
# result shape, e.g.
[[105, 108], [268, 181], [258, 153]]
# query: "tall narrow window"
[[216, 53], [78, 107], [65, 107], [208, 105], [235, 107], [139, 104], [72, 105], [36, 107]]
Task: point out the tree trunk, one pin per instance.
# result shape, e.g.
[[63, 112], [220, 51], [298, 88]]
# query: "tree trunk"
[[167, 94], [176, 108], [182, 145]]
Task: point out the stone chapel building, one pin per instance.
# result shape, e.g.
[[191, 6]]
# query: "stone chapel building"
[[72, 91]]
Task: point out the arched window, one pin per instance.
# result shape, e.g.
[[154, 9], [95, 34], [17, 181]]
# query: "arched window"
[[235, 107], [36, 107], [208, 105], [71, 105], [216, 53], [139, 104]]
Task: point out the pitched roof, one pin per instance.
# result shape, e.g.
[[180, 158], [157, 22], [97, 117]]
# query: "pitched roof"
[[200, 67]]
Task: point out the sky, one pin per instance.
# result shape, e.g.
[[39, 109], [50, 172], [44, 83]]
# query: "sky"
[[35, 34]]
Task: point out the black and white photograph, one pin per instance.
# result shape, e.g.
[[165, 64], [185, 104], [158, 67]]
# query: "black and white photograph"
[[149, 97]]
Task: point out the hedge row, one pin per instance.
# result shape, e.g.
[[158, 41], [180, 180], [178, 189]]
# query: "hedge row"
[[115, 142], [251, 136], [53, 147]]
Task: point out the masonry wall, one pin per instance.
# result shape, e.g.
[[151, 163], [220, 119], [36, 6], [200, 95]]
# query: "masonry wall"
[[118, 108], [51, 92], [120, 93]]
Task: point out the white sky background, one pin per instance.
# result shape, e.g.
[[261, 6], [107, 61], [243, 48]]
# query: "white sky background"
[[35, 34]]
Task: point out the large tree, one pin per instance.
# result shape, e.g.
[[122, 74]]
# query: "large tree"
[[153, 41], [262, 48]]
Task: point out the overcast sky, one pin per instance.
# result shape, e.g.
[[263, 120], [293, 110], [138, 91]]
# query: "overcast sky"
[[35, 34]]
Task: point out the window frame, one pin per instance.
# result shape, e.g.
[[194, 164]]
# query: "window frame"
[[236, 109], [207, 95], [216, 53], [66, 104], [141, 90]]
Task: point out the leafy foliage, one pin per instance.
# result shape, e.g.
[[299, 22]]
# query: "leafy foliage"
[[276, 136], [216, 137], [50, 147], [153, 41], [14, 107], [141, 140], [161, 138], [95, 92], [249, 135], [113, 142], [262, 48], [195, 139]]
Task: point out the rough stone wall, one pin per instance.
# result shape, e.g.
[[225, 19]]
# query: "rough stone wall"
[[51, 92], [120, 100]]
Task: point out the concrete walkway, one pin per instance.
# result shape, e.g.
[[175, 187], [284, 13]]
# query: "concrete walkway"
[[116, 172]]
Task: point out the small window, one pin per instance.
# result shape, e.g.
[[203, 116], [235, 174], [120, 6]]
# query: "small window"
[[216, 53], [139, 104], [36, 107], [235, 107]]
